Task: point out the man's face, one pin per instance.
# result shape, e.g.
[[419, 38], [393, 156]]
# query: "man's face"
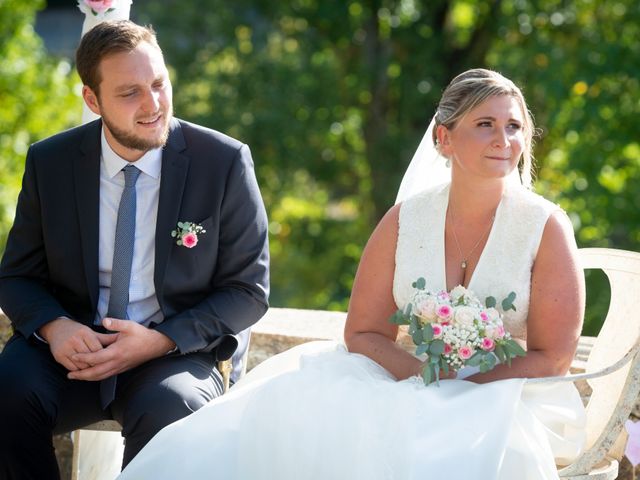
[[135, 100]]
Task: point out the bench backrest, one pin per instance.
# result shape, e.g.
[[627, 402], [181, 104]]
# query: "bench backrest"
[[613, 396]]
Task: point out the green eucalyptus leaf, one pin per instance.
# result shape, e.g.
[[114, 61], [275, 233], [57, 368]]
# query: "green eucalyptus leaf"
[[490, 360], [499, 351], [507, 305], [422, 349], [419, 283], [427, 332], [436, 347], [416, 336], [490, 302], [427, 374], [399, 318], [413, 324], [515, 349], [475, 360]]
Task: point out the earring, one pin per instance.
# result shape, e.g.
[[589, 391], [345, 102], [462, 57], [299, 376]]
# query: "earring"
[[447, 163]]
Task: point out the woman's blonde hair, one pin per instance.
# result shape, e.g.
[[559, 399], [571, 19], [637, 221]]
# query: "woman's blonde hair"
[[470, 89]]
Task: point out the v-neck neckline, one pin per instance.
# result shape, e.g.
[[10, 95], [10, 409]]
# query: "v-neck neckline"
[[487, 245]]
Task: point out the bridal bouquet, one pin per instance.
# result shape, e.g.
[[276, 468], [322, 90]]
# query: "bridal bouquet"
[[455, 330]]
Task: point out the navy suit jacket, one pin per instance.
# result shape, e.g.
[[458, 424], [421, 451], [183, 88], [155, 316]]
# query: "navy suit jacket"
[[207, 293]]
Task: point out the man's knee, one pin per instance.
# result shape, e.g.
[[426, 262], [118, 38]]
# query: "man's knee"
[[154, 408], [29, 384], [18, 389], [165, 391], [151, 411]]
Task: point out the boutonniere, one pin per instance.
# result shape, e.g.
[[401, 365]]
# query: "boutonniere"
[[186, 234]]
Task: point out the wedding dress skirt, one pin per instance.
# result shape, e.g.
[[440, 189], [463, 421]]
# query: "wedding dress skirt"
[[319, 412]]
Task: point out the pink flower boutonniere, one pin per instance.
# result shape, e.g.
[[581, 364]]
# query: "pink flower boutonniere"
[[186, 234]]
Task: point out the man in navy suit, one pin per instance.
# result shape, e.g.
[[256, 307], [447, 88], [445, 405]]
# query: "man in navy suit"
[[198, 271]]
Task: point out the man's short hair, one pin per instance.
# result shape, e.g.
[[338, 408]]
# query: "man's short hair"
[[108, 38]]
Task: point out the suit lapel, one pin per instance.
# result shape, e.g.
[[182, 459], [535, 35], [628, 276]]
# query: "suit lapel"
[[175, 167], [86, 172]]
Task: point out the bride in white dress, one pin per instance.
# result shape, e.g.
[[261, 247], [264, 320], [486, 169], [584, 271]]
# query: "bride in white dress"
[[323, 411]]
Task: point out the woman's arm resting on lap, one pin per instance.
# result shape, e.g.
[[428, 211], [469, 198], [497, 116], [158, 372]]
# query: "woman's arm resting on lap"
[[368, 330]]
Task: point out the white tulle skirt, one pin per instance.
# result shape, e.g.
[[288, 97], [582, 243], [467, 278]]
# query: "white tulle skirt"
[[319, 412]]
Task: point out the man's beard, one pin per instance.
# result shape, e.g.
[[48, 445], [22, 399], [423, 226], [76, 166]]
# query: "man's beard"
[[132, 141]]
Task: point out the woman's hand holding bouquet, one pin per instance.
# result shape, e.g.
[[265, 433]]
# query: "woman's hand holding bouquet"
[[455, 330]]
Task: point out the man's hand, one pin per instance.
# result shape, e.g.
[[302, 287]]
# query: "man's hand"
[[67, 337], [134, 344]]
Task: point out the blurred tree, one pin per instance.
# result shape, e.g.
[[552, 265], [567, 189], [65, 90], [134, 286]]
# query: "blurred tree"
[[37, 98], [333, 96]]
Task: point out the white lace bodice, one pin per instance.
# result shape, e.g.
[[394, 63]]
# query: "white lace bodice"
[[505, 263]]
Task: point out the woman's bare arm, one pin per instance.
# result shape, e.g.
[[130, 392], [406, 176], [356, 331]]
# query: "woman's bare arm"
[[368, 330], [556, 307]]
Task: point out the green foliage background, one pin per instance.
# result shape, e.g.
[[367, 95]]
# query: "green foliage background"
[[333, 97], [36, 98]]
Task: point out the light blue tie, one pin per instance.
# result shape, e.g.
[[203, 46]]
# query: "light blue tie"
[[121, 270], [123, 246]]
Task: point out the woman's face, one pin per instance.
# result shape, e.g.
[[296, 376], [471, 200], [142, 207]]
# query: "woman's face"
[[488, 141]]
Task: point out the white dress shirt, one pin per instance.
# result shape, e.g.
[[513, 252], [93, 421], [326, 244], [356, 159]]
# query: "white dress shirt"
[[143, 303]]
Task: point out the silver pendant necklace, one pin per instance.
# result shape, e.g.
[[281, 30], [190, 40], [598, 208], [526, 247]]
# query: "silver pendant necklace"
[[465, 259]]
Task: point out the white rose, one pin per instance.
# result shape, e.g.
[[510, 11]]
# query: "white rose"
[[426, 309], [493, 314], [464, 316], [458, 292]]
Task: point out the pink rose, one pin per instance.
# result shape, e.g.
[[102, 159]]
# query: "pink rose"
[[447, 349], [487, 344], [437, 330], [484, 317], [444, 312], [442, 295], [500, 331], [465, 352], [99, 5], [190, 240]]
